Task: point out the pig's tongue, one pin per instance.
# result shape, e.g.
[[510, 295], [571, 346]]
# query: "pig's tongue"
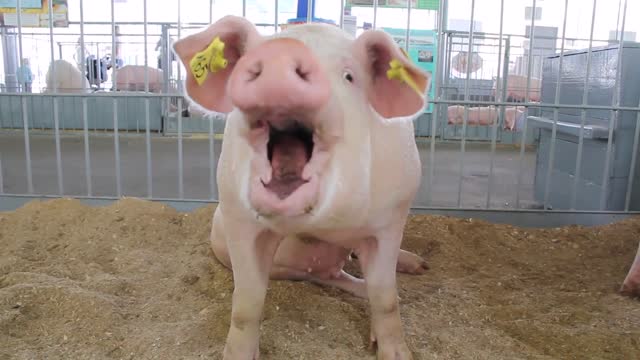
[[289, 155]]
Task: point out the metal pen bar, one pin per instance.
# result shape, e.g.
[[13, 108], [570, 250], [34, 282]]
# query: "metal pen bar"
[[180, 149], [82, 44], [85, 115], [147, 115], [618, 19], [407, 39], [116, 140], [554, 130], [19, 17], [532, 36], [436, 86], [56, 119], [465, 119], [116, 145], [583, 113], [479, 34], [244, 8], [634, 156], [27, 147], [147, 139], [614, 114], [56, 122], [275, 23], [309, 11], [87, 155], [114, 50], [341, 14], [212, 158], [494, 130], [146, 48], [375, 13], [53, 64], [437, 101], [23, 100]]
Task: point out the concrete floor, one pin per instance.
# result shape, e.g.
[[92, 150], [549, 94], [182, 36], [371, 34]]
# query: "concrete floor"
[[196, 169]]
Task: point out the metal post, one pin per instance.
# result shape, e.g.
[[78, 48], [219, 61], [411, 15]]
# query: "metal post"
[[465, 118], [585, 94], [499, 90]]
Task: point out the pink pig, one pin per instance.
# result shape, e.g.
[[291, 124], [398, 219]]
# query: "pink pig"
[[132, 78], [318, 162], [631, 284]]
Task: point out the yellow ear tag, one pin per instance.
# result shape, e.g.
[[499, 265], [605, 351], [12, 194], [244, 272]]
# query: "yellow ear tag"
[[208, 60], [398, 72]]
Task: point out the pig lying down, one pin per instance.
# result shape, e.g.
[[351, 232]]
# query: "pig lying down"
[[318, 162]]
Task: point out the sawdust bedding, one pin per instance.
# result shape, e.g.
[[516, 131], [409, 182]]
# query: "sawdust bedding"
[[137, 280]]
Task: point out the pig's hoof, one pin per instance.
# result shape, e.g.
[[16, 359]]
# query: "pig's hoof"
[[392, 349], [398, 351], [238, 354], [410, 263]]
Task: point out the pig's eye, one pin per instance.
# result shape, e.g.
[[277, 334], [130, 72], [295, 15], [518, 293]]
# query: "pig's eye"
[[347, 76]]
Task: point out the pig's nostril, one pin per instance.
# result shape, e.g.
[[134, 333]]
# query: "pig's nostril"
[[255, 71], [304, 75]]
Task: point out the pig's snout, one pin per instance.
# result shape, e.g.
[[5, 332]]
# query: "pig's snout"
[[279, 79]]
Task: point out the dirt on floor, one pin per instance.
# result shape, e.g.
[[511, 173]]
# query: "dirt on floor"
[[137, 280]]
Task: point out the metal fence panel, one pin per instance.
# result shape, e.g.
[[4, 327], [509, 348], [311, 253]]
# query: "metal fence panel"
[[530, 120]]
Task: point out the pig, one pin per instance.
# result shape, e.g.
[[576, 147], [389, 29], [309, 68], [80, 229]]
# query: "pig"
[[131, 78], [318, 163], [631, 284], [517, 88], [485, 115], [68, 79]]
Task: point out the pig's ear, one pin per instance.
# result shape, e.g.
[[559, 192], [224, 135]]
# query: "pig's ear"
[[391, 98], [238, 36]]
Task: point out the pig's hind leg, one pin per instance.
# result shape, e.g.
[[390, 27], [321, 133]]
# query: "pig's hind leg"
[[410, 263], [343, 280], [219, 241]]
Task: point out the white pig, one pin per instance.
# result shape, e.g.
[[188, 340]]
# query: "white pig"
[[318, 161], [68, 79], [631, 284]]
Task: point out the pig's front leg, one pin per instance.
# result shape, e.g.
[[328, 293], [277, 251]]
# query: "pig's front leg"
[[378, 257], [251, 249]]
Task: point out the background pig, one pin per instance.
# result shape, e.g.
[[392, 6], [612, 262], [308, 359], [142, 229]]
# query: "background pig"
[[68, 79], [485, 115], [631, 284], [318, 162], [517, 88], [131, 78]]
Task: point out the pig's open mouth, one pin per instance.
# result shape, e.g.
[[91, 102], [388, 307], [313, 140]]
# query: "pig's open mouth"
[[289, 149]]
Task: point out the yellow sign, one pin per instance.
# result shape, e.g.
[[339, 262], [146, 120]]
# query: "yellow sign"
[[34, 13]]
